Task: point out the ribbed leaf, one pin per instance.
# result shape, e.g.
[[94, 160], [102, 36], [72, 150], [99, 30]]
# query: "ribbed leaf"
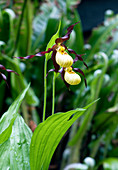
[[47, 136], [8, 118], [14, 153], [6, 133]]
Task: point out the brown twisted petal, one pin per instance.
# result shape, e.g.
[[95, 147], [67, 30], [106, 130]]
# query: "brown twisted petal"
[[2, 67], [67, 36], [40, 54], [56, 66], [11, 71], [8, 70], [62, 76], [81, 72], [77, 57], [49, 72], [4, 78]]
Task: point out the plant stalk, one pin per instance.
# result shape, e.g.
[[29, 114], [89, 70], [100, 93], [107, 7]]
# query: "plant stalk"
[[45, 89], [53, 93]]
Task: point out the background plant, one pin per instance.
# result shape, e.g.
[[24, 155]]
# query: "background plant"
[[28, 33]]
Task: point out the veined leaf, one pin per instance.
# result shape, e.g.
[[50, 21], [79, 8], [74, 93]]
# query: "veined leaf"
[[14, 153], [47, 136], [7, 132], [9, 117]]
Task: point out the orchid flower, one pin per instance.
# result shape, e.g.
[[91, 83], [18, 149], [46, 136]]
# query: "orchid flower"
[[62, 59]]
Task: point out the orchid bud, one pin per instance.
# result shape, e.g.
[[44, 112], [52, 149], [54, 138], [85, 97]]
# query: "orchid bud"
[[63, 58], [71, 77]]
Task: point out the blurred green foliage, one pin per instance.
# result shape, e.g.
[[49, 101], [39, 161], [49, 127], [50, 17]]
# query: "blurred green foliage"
[[26, 28]]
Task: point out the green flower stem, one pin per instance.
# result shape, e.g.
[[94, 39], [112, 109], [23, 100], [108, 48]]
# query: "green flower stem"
[[53, 93], [45, 89]]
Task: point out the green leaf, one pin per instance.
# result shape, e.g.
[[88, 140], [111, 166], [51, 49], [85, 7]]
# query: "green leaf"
[[100, 34], [110, 164], [7, 132], [41, 20], [73, 3], [19, 82], [47, 136], [49, 32], [9, 117], [79, 42], [14, 153], [52, 41], [4, 26]]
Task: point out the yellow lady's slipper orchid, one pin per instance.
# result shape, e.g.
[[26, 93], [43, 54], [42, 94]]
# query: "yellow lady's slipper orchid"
[[63, 58], [71, 77]]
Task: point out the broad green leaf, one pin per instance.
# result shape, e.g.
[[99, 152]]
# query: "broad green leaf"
[[9, 117], [52, 41], [47, 136], [6, 133], [14, 153], [110, 164]]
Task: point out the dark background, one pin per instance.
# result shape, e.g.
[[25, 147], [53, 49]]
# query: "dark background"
[[92, 12]]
